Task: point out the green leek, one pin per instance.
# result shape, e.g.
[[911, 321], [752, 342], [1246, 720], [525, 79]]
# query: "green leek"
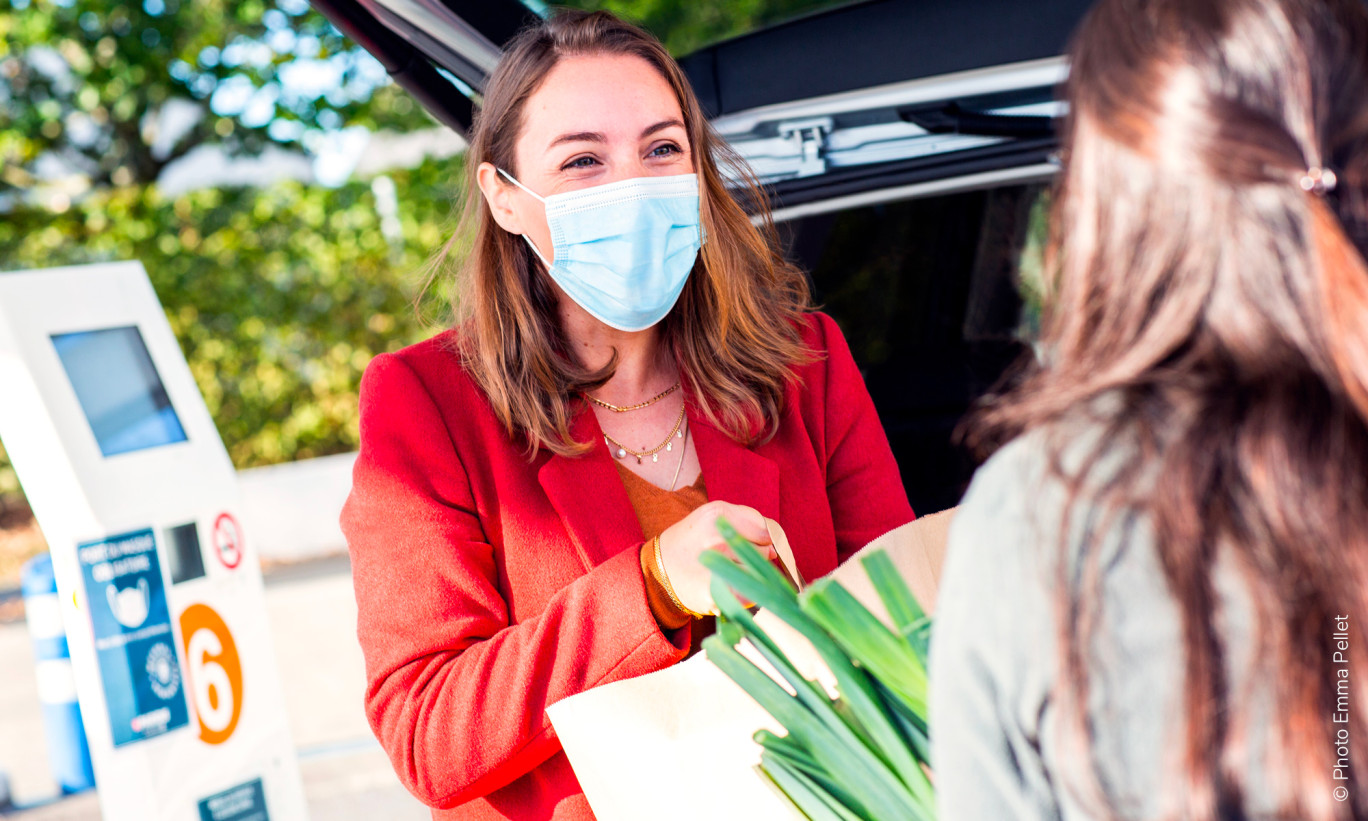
[[863, 755]]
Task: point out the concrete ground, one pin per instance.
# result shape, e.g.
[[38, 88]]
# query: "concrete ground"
[[313, 618]]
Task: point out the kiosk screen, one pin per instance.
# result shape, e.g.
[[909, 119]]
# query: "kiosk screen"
[[119, 389]]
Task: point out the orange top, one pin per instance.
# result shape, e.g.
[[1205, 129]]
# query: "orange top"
[[656, 509]]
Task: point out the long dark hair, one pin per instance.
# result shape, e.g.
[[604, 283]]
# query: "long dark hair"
[[734, 331], [1208, 300]]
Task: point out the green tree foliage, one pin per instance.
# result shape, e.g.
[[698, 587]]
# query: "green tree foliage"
[[686, 26], [279, 296], [87, 81]]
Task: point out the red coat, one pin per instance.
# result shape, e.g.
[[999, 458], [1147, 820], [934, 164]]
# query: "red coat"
[[490, 587]]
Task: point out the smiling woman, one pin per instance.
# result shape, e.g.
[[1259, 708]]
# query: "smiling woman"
[[633, 359]]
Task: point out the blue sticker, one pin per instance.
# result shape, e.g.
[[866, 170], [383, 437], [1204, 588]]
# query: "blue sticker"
[[136, 650], [245, 802]]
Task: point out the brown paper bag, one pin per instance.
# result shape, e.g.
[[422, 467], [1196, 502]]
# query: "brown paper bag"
[[918, 550], [634, 743]]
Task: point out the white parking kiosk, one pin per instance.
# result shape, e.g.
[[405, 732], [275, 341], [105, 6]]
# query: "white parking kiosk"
[[160, 590]]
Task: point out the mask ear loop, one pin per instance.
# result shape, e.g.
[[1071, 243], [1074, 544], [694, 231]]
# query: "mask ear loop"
[[530, 243], [511, 179]]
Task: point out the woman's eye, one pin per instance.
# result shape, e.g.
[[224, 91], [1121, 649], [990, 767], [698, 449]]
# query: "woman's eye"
[[665, 150], [580, 162]]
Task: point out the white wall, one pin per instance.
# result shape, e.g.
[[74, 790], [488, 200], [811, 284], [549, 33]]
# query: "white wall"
[[290, 510]]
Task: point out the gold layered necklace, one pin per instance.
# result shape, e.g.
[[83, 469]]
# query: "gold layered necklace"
[[621, 451], [638, 406]]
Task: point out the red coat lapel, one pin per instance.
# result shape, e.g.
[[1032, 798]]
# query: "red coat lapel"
[[588, 495], [732, 472]]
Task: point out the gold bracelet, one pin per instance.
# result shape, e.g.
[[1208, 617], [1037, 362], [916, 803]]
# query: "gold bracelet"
[[669, 588]]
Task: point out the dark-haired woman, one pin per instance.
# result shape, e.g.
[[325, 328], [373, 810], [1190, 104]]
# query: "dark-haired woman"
[[1156, 596], [635, 359]]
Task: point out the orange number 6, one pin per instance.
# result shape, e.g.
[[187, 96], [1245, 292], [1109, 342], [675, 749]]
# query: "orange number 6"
[[215, 672]]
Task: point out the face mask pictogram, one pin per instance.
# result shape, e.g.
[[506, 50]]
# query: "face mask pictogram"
[[129, 605]]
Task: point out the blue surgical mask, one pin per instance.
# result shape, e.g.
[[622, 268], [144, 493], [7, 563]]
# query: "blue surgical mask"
[[624, 250]]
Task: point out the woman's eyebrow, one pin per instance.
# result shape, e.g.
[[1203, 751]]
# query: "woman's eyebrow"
[[598, 137], [660, 126], [579, 137]]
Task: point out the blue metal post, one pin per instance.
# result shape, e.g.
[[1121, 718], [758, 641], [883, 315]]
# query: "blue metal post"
[[68, 752]]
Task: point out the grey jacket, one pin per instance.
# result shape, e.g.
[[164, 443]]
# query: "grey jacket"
[[999, 751]]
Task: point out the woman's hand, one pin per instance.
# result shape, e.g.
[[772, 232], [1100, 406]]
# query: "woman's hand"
[[682, 543]]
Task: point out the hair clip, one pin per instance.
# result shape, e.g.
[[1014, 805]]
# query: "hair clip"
[[1318, 180]]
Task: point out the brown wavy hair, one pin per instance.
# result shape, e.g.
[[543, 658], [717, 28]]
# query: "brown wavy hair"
[[1208, 302], [734, 333]]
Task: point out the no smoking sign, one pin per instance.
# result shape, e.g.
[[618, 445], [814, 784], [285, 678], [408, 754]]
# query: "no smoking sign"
[[228, 540]]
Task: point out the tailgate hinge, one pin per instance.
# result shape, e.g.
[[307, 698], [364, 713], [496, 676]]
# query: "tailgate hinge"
[[810, 139]]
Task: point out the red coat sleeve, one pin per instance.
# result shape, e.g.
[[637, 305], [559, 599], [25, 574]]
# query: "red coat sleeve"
[[456, 694], [863, 484]]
